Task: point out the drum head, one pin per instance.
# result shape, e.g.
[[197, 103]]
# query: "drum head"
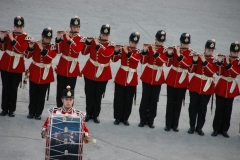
[[65, 140]]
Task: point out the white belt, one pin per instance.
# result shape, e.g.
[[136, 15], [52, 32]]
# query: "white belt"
[[46, 68], [100, 67], [230, 79], [208, 79], [73, 60], [159, 70], [183, 75], [16, 57], [130, 72]]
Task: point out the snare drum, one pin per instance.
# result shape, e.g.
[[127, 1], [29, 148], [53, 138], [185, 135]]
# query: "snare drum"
[[64, 139]]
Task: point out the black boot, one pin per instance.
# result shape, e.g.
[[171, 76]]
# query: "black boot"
[[126, 123], [225, 134], [191, 130], [200, 132], [30, 116], [38, 117], [96, 120], [167, 128], [4, 113], [151, 125], [87, 117], [11, 114], [141, 124], [117, 121], [214, 133]]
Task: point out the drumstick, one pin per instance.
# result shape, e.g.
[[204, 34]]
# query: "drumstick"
[[90, 140]]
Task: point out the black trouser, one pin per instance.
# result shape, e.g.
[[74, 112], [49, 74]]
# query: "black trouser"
[[123, 100], [10, 83], [37, 94], [174, 104], [62, 83], [148, 106], [94, 91], [198, 109], [223, 113]]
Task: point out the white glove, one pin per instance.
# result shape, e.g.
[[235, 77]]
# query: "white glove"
[[43, 133]]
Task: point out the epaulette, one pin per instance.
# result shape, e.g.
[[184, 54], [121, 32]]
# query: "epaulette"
[[51, 110], [80, 112], [138, 51], [192, 51], [111, 44], [28, 38], [53, 47], [165, 49], [83, 39]]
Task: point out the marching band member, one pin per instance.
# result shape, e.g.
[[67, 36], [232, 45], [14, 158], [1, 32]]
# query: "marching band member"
[[201, 86], [226, 89], [67, 108], [69, 44], [13, 43], [152, 79], [126, 79], [177, 80], [97, 71], [41, 72], [61, 137]]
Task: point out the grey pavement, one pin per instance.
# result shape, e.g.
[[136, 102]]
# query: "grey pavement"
[[203, 19]]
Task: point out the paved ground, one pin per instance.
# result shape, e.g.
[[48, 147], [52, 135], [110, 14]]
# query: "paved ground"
[[203, 19]]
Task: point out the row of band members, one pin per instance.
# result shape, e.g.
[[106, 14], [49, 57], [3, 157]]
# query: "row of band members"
[[97, 71]]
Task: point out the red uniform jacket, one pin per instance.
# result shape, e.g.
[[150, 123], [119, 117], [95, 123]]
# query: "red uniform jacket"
[[182, 62], [60, 111], [36, 71], [231, 71], [19, 47], [73, 50], [131, 62], [207, 69], [149, 74], [100, 56]]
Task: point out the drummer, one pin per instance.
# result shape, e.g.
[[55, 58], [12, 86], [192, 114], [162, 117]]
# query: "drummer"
[[67, 99]]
